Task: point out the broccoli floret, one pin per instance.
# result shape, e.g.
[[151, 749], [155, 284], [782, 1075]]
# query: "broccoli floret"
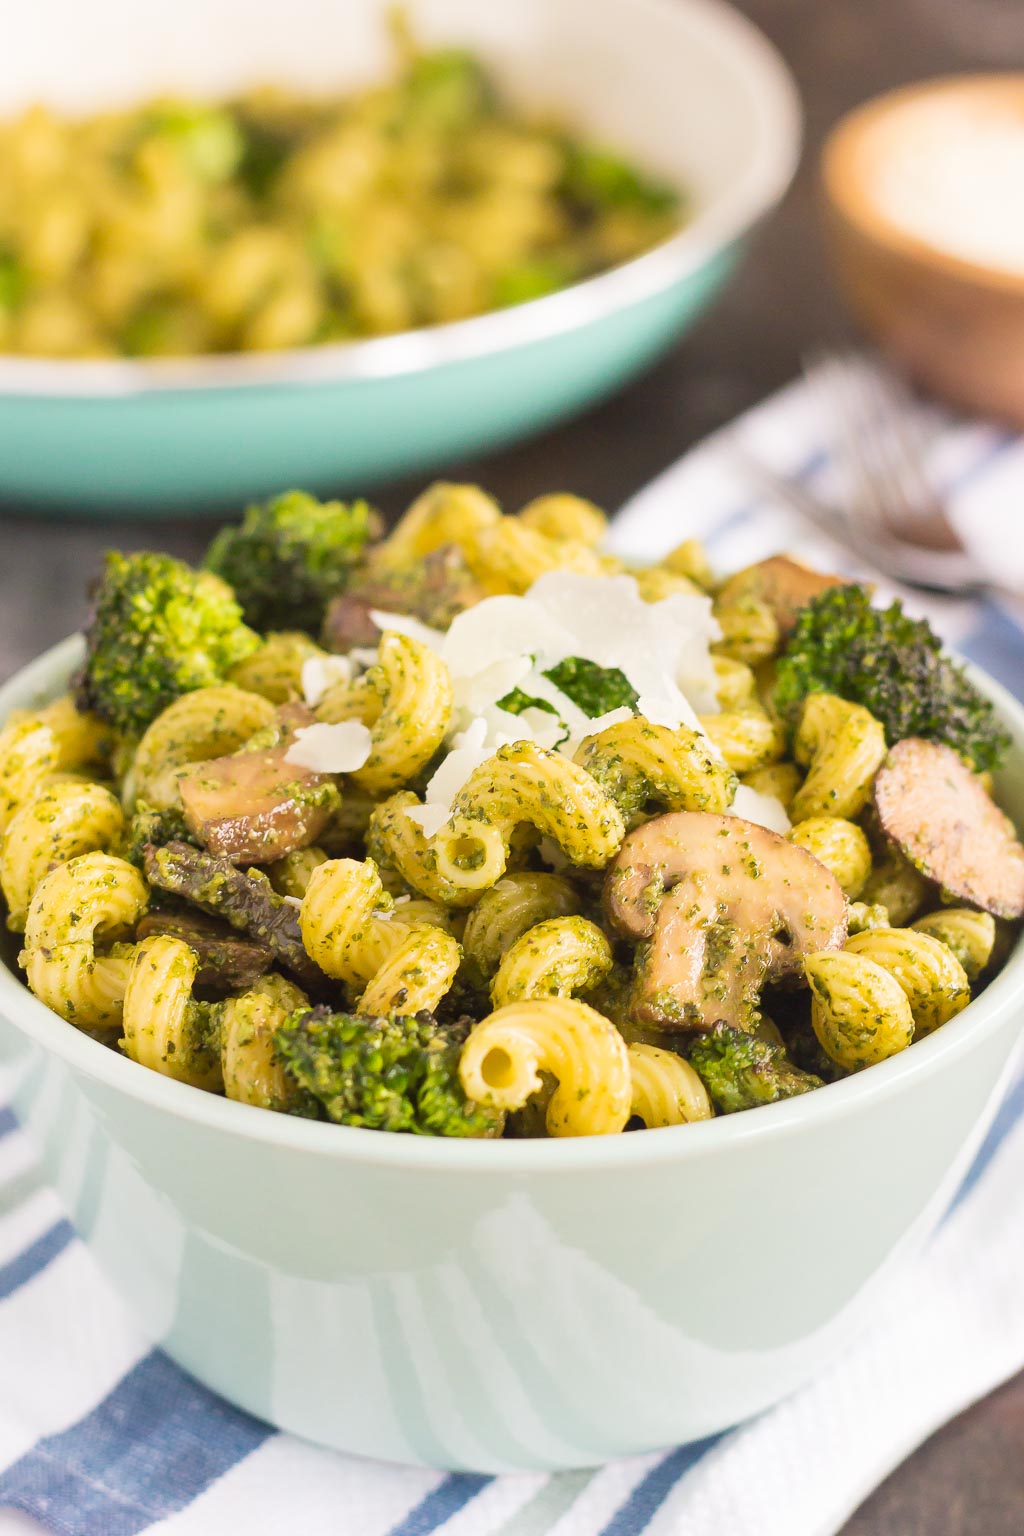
[[208, 138], [151, 826], [893, 665], [290, 556], [740, 1071], [599, 180], [594, 689], [398, 1073], [158, 630]]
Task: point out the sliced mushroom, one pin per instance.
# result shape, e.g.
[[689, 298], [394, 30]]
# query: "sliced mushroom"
[[433, 589], [227, 963], [724, 906], [782, 583], [254, 806], [246, 901], [936, 812]]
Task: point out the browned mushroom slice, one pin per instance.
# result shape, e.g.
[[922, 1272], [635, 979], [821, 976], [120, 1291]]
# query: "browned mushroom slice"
[[254, 806], [724, 906], [782, 583], [227, 963], [244, 899], [934, 809]]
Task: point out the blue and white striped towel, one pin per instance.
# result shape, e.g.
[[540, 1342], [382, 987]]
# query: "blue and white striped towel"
[[100, 1435]]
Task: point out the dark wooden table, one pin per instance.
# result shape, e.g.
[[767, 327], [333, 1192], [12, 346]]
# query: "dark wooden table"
[[968, 1480]]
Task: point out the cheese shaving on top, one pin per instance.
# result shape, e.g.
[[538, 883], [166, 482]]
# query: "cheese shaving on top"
[[506, 645], [319, 673], [324, 748], [764, 810]]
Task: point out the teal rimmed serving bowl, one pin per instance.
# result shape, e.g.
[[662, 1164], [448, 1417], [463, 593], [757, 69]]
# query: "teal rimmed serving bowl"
[[510, 1304], [687, 88]]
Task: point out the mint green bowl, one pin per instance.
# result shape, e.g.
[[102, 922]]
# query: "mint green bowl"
[[504, 1305], [687, 88]]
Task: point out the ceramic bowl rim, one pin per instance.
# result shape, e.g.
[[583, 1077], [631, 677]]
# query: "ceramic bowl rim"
[[846, 199], [729, 213], [45, 676]]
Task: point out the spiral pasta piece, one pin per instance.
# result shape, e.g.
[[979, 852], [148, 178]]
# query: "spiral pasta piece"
[[748, 739], [859, 1011], [524, 782], [735, 683], [637, 763], [971, 935], [444, 513], [81, 737], [781, 780], [274, 671], [393, 965], [417, 691], [690, 559], [418, 973], [342, 922], [666, 1089], [838, 844], [896, 885], [750, 630], [929, 972], [28, 757], [206, 723], [92, 897], [290, 875], [164, 1028], [68, 818], [843, 746], [517, 903], [654, 583], [505, 1054], [396, 842], [563, 516], [355, 699], [252, 1072], [510, 556], [556, 958]]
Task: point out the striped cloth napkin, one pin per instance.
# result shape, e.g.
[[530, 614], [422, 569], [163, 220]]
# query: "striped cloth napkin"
[[101, 1435]]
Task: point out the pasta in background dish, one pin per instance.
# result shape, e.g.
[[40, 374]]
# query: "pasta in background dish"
[[277, 221], [471, 831]]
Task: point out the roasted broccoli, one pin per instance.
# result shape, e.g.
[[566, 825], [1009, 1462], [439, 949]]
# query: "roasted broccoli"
[[158, 827], [158, 630], [893, 665], [398, 1073], [740, 1071], [289, 556]]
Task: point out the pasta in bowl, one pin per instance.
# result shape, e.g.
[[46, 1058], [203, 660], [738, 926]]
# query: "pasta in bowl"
[[531, 825], [556, 870]]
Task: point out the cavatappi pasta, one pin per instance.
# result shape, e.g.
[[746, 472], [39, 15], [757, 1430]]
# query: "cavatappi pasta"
[[277, 220], [512, 871]]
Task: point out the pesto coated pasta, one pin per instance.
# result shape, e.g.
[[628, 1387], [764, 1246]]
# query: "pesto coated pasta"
[[504, 838], [277, 220]]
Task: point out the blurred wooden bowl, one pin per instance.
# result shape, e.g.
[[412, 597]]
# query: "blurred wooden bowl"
[[956, 325]]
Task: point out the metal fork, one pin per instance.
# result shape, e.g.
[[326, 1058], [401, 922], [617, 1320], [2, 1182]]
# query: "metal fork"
[[893, 520]]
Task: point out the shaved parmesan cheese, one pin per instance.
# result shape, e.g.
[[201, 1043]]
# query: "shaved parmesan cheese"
[[475, 690], [405, 624], [763, 810], [500, 627], [292, 901], [671, 710], [322, 672], [327, 748], [504, 643], [429, 818]]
